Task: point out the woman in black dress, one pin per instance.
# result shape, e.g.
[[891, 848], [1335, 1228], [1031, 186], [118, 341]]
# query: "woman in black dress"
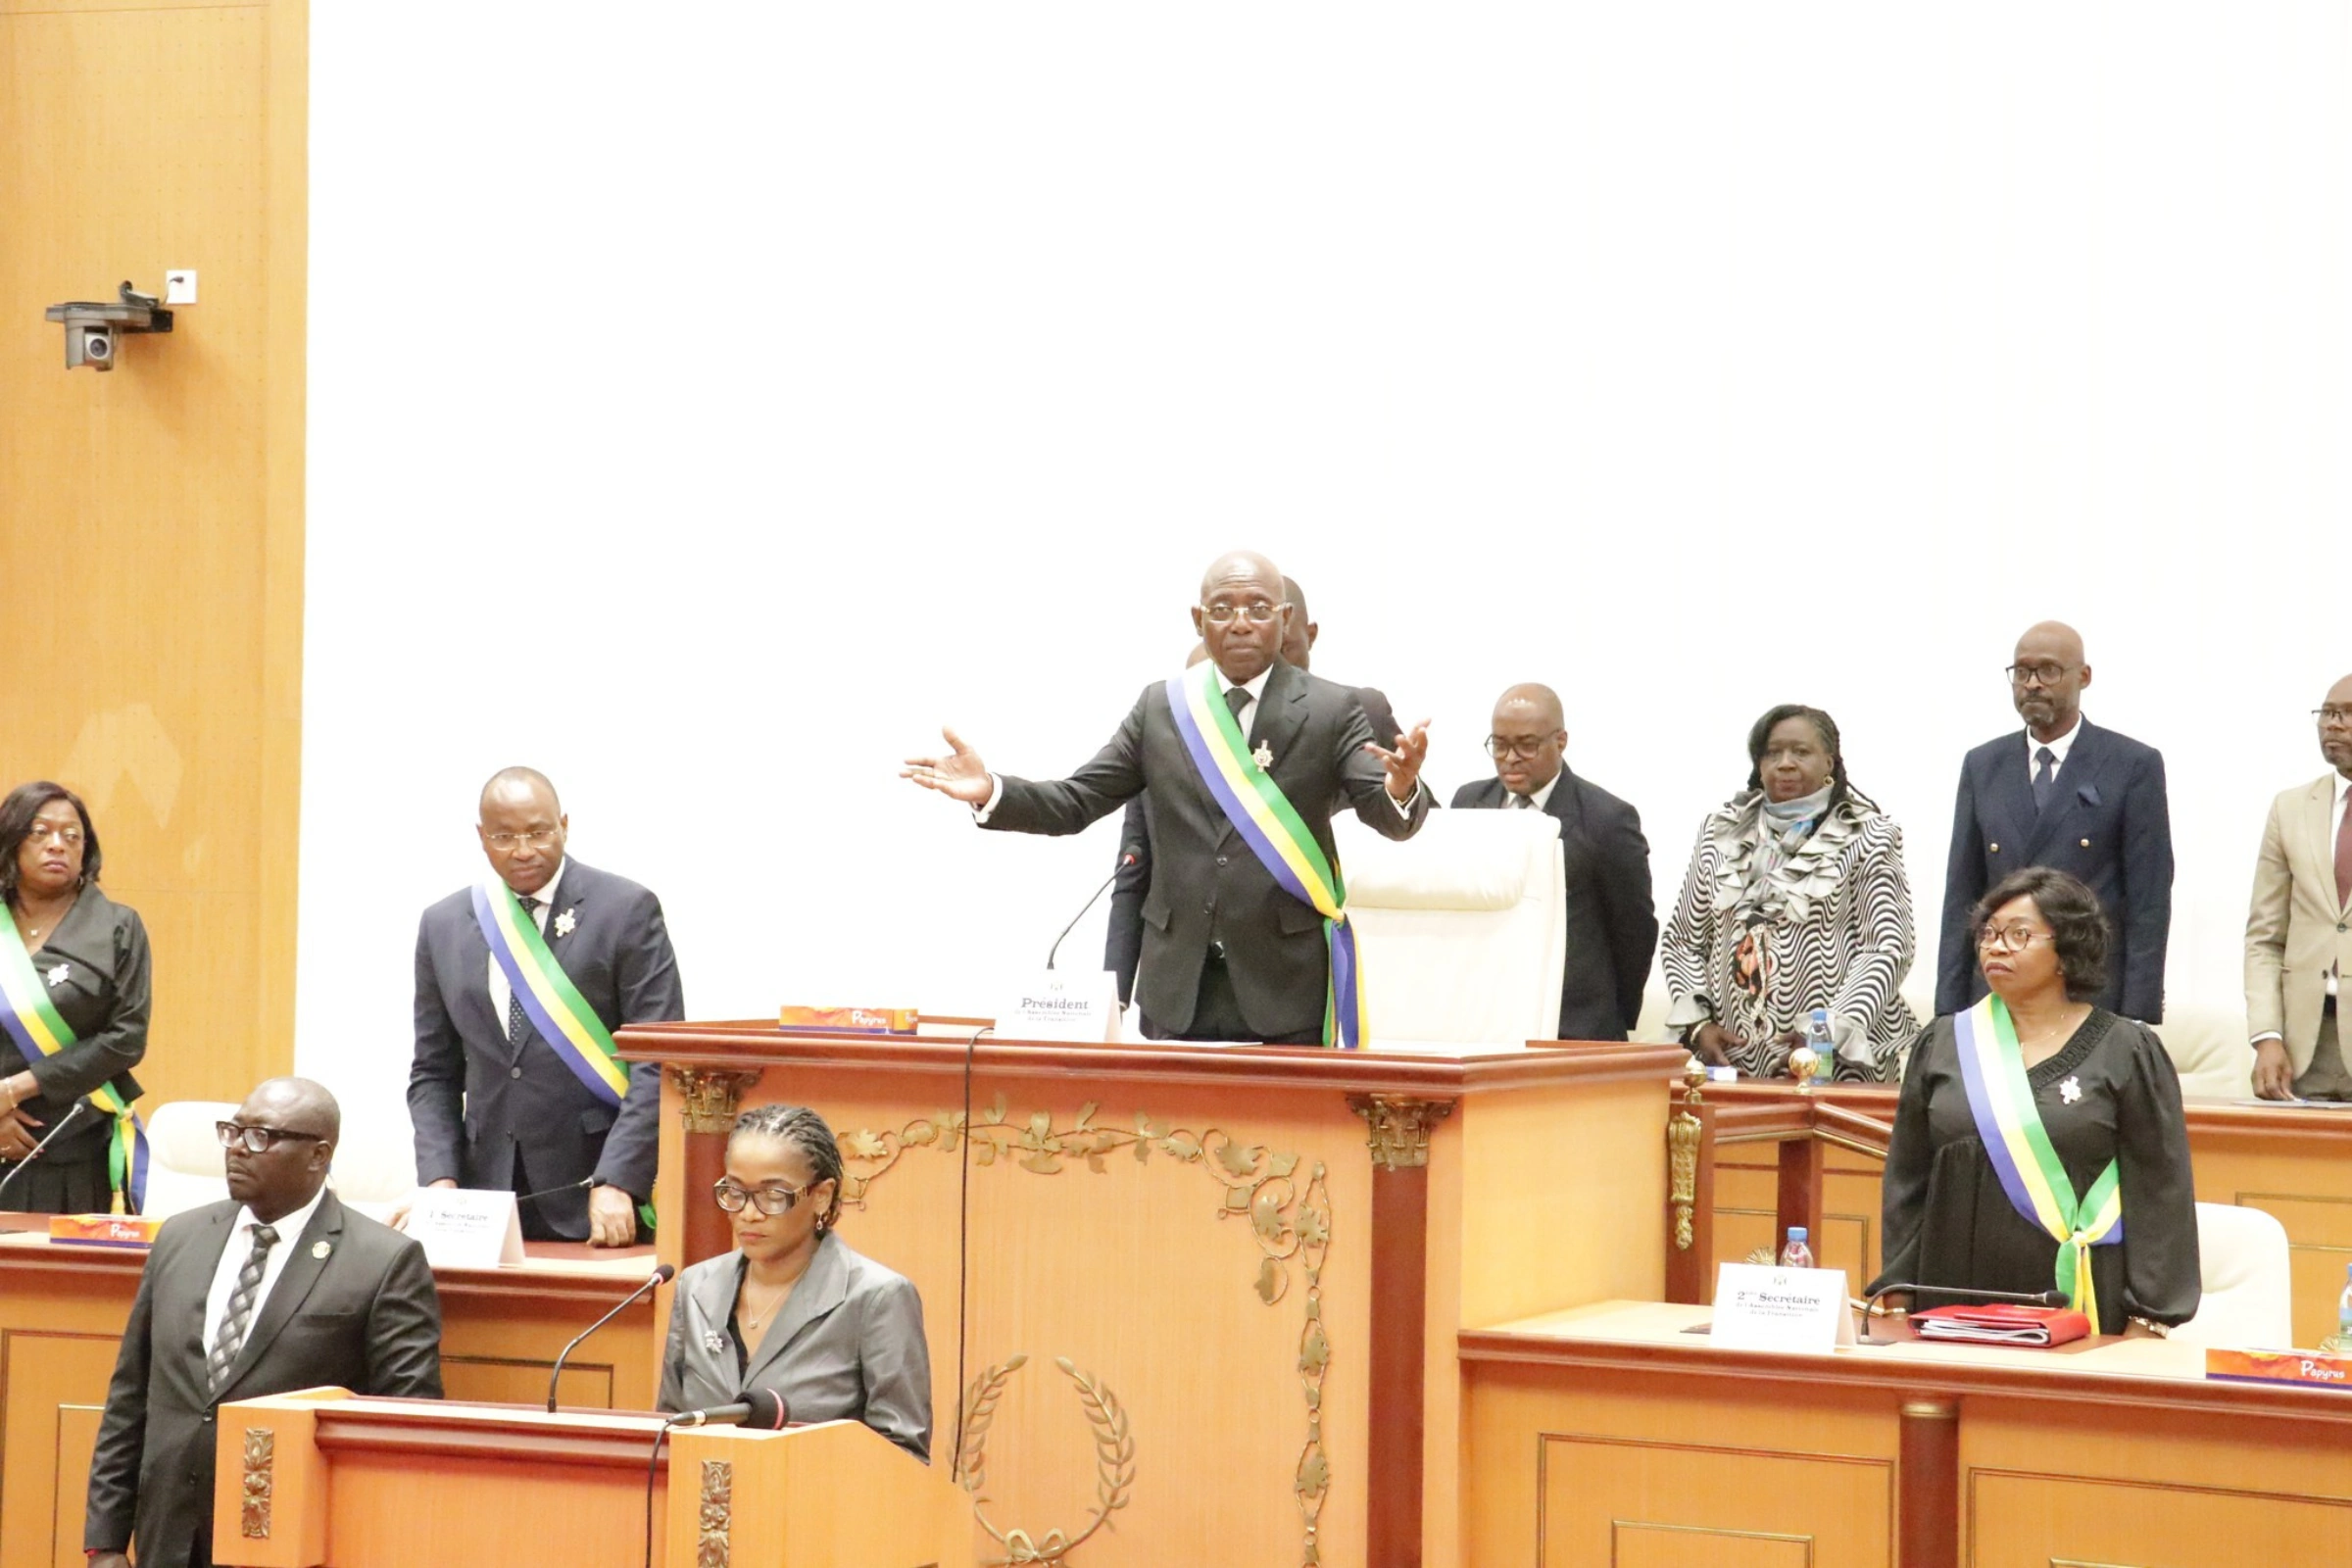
[[2107, 1096], [89, 956]]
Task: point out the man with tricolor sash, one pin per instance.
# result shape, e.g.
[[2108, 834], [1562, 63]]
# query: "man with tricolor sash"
[[1246, 935], [521, 981]]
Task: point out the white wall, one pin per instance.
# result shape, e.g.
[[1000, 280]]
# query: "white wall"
[[704, 412]]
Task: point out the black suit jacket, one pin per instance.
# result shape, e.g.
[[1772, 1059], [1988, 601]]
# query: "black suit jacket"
[[354, 1307], [474, 1095], [1206, 883], [1131, 877], [2107, 823], [1612, 925]]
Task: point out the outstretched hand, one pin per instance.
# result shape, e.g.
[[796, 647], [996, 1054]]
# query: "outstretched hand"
[[961, 774], [1404, 764]]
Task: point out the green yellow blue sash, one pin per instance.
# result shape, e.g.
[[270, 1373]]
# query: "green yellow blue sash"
[[556, 1009], [2002, 1099], [38, 1030], [1263, 815]]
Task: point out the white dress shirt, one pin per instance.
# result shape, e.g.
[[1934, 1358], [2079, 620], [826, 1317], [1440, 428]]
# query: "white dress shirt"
[[289, 1230], [1538, 798], [2058, 750], [502, 994]]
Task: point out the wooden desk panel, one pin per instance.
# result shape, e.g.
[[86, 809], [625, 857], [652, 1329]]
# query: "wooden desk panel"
[[2116, 1453], [62, 1310]]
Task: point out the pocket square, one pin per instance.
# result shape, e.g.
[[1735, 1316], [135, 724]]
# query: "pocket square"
[[2087, 794]]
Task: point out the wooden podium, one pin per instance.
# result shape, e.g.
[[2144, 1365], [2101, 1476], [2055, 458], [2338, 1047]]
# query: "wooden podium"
[[1212, 1293], [326, 1477]]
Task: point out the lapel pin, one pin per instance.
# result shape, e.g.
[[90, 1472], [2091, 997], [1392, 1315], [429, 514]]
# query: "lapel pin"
[[1263, 757], [567, 922], [2086, 844], [2070, 1090], [319, 1249], [59, 975], [715, 1341], [1997, 848]]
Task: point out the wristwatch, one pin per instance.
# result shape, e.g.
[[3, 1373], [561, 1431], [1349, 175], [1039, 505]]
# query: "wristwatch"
[[2160, 1330]]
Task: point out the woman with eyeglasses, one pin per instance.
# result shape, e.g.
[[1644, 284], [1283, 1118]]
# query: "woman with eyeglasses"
[[73, 977], [2040, 1144], [793, 1308], [1795, 899]]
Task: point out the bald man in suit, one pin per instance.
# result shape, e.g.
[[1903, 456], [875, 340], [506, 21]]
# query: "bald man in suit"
[[2299, 925]]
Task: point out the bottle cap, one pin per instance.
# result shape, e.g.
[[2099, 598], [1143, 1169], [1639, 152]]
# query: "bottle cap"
[[1796, 1233]]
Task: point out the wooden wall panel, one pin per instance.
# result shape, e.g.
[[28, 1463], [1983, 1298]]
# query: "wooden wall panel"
[[150, 517]]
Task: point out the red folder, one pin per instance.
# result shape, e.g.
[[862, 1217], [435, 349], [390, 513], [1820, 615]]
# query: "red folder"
[[2002, 1323]]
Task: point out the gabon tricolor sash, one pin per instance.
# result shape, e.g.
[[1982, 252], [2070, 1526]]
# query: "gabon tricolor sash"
[[556, 1009], [2002, 1099], [1263, 815], [38, 1030]]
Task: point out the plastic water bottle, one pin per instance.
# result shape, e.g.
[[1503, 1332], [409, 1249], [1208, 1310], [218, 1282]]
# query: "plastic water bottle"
[[1825, 1048], [1797, 1255], [2343, 1316]]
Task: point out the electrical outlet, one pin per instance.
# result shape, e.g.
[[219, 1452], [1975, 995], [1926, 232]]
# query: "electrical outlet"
[[180, 285]]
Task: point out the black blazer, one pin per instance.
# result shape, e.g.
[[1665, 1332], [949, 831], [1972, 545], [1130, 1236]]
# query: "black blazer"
[[473, 1094], [1206, 883], [354, 1307], [2107, 823], [1612, 925], [103, 997], [1131, 877]]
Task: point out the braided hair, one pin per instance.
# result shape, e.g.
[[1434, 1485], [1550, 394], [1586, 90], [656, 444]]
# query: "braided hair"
[[1761, 736], [804, 1130]]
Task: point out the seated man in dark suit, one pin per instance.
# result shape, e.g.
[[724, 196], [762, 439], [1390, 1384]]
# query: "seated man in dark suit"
[[281, 1288], [1230, 951], [1612, 926], [1123, 939], [2071, 797]]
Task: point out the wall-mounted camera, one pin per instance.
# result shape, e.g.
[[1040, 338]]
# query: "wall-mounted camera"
[[93, 327]]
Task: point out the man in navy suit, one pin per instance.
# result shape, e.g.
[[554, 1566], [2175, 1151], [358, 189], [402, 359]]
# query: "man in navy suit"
[[2073, 797], [1612, 926], [493, 1105]]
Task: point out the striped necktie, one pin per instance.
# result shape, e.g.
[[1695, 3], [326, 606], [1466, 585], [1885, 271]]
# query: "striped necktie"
[[239, 1316]]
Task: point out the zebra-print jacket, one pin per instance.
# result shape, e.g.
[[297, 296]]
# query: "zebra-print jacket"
[[1832, 928]]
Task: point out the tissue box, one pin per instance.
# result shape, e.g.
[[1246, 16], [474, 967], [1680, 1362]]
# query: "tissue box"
[[104, 1230], [847, 1020]]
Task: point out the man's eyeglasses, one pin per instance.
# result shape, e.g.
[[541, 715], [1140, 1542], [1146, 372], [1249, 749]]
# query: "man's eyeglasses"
[[1257, 610], [2036, 674], [773, 1200], [2332, 716], [258, 1140], [2011, 938], [1524, 746], [543, 839]]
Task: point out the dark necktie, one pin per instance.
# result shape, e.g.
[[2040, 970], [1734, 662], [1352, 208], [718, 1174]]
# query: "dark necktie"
[[239, 1316], [2343, 861], [1237, 698], [516, 1021], [2045, 780], [1523, 802]]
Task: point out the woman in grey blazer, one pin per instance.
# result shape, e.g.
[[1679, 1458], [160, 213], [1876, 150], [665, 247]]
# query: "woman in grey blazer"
[[793, 1308]]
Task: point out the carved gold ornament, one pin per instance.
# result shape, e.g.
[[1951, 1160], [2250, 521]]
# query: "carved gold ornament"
[[1114, 1461], [1290, 1221], [712, 1549], [710, 1096], [1398, 1127], [261, 1479], [1682, 1154]]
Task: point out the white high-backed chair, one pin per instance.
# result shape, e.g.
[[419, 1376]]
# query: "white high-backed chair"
[[2209, 1050], [1462, 928], [2247, 1278], [186, 1166]]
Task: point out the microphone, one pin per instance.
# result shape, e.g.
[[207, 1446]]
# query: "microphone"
[[1125, 860], [51, 1137], [761, 1410], [660, 1277], [581, 1185]]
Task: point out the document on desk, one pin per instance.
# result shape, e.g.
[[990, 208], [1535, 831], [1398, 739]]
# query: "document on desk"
[[1999, 1323]]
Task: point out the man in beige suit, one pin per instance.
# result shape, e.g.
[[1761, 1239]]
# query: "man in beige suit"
[[2299, 930]]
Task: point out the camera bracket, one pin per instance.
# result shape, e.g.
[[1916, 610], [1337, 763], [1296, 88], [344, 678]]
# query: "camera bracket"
[[132, 311]]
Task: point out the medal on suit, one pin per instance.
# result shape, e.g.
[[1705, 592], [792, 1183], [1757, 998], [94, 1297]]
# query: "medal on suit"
[[59, 976], [566, 923], [1263, 757], [319, 1249]]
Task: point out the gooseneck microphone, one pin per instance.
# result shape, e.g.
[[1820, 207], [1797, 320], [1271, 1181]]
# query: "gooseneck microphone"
[[48, 1138], [1125, 860], [582, 1185], [660, 1277], [761, 1409]]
